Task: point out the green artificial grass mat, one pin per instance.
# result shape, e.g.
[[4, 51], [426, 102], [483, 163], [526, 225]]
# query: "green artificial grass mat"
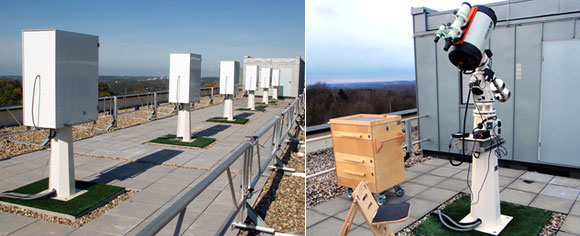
[[269, 103], [526, 220], [199, 142], [97, 193], [224, 120], [248, 109]]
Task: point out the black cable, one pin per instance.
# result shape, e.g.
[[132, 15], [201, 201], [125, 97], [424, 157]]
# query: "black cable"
[[484, 178], [457, 226], [32, 102], [463, 133]]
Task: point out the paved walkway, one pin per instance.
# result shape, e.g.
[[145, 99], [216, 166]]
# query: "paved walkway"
[[159, 185], [431, 183]]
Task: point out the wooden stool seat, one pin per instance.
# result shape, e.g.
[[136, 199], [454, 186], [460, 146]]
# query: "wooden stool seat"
[[392, 213], [377, 217]]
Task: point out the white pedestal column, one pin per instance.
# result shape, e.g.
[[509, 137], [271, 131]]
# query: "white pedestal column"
[[62, 173], [252, 101], [485, 188], [265, 96], [275, 93], [184, 123], [229, 109]]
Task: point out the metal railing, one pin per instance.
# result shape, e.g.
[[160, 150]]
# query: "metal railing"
[[281, 127], [407, 146], [12, 115], [109, 106]]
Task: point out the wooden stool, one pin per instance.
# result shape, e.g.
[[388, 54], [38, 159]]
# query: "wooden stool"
[[377, 217]]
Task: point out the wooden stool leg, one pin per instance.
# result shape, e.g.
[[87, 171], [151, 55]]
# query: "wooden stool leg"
[[382, 230], [348, 220]]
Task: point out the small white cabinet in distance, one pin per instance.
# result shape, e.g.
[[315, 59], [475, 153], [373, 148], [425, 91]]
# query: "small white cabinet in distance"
[[59, 78], [275, 77], [229, 74], [184, 77], [265, 77], [251, 77]]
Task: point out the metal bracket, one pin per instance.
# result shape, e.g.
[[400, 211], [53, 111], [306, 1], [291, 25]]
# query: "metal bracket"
[[477, 145]]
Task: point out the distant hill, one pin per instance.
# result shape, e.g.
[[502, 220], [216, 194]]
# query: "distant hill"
[[119, 78], [373, 85], [11, 86], [327, 101]]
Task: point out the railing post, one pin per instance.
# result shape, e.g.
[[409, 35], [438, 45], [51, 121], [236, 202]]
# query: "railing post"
[[211, 93], [115, 111], [179, 222], [154, 114], [409, 137]]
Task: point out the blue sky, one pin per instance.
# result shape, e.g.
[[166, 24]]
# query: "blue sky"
[[362, 41], [136, 37]]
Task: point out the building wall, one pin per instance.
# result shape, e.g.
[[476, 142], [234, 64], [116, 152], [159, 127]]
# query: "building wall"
[[296, 65], [522, 28]]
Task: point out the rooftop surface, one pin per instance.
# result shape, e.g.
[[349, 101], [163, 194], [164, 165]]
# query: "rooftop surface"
[[161, 174], [431, 183]]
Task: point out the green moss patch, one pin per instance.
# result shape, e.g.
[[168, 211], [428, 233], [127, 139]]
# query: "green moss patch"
[[248, 109], [172, 139], [526, 220], [97, 195], [225, 120]]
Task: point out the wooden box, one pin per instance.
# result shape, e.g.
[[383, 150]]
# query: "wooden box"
[[368, 148]]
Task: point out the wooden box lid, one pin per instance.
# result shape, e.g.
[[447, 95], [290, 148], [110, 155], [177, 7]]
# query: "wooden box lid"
[[365, 119]]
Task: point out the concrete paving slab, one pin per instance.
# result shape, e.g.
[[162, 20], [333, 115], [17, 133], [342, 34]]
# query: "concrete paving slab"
[[428, 180], [333, 207], [148, 197], [463, 166], [421, 207], [565, 181], [412, 189], [436, 162], [113, 224], [359, 231], [538, 177], [445, 171], [575, 209], [505, 181], [330, 226], [10, 222], [409, 175], [533, 187], [166, 188], [422, 168], [358, 218], [571, 225], [88, 232], [210, 221], [41, 227], [313, 217], [134, 209], [517, 196], [552, 203], [453, 184], [436, 195], [560, 192], [562, 233], [461, 175]]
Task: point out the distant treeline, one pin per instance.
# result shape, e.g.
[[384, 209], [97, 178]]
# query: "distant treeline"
[[11, 86], [324, 102]]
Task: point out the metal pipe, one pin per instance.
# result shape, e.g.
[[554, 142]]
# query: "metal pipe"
[[420, 141], [166, 216], [318, 138], [321, 173], [414, 118]]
